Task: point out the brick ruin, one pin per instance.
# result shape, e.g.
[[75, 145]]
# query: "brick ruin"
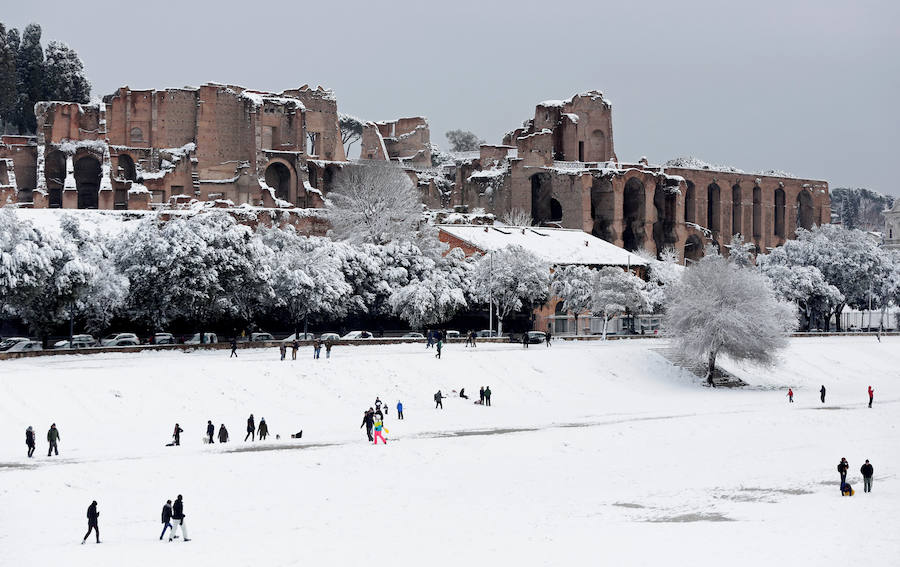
[[239, 147]]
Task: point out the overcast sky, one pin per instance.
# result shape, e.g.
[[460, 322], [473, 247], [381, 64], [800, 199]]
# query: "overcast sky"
[[810, 87]]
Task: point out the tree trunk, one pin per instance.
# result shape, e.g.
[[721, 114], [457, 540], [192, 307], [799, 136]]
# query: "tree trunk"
[[499, 324], [576, 324], [837, 317], [605, 323], [711, 368]]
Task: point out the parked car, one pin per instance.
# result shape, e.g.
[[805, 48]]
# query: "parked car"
[[354, 335], [78, 341], [452, 334], [298, 337], [120, 339], [202, 339], [329, 337], [163, 339], [8, 343], [413, 336], [536, 337], [25, 346], [486, 333]]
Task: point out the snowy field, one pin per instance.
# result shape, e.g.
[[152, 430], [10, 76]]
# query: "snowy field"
[[592, 453]]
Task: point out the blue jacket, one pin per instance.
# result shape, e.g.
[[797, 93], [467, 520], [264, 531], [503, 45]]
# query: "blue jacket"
[[399, 406]]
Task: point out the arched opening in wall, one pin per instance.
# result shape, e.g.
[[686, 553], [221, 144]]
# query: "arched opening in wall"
[[737, 210], [633, 215], [603, 208], [757, 212], [713, 207], [779, 213], [693, 248], [541, 190], [126, 168], [664, 228], [87, 182], [55, 177], [561, 319], [598, 145], [690, 203], [278, 177], [556, 212], [805, 211]]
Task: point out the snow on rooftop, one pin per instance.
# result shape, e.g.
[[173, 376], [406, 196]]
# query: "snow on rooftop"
[[554, 245]]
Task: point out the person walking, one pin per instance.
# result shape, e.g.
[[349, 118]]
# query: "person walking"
[[429, 338], [440, 345], [399, 410], [178, 519], [29, 441], [487, 396], [233, 347], [842, 468], [317, 347], [867, 471], [790, 395], [166, 518], [871, 395], [525, 340], [377, 403], [295, 346], [437, 400], [379, 432], [547, 337], [369, 422], [53, 439], [251, 429], [210, 431], [282, 349], [177, 434], [328, 344], [822, 393], [93, 517], [481, 396], [468, 338], [263, 429], [474, 338], [223, 434]]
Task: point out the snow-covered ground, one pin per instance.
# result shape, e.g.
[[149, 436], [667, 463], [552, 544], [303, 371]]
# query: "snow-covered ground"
[[592, 452]]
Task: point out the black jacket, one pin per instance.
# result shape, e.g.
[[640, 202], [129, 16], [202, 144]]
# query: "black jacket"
[[263, 428], [867, 470], [223, 435], [368, 419], [166, 514], [251, 426], [29, 437], [92, 513], [210, 429], [842, 467], [178, 510]]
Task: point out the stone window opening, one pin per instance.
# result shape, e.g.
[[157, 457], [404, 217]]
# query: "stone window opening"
[[541, 197], [278, 177], [714, 207], [602, 208], [312, 143], [87, 182], [736, 210], [805, 211], [633, 215], [690, 203], [757, 212], [779, 213]]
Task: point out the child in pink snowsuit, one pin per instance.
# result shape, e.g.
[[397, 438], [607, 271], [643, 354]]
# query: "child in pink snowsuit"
[[379, 426]]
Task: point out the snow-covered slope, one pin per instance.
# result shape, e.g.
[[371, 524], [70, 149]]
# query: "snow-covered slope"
[[590, 452]]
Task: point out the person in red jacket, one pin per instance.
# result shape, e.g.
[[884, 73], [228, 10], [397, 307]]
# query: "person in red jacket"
[[791, 395], [871, 395]]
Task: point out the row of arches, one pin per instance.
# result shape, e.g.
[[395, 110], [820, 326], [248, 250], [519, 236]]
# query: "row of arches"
[[87, 172]]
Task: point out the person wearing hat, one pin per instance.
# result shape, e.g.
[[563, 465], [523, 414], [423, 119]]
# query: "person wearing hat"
[[263, 431], [92, 516], [166, 518], [29, 441], [53, 438], [178, 519], [867, 471], [842, 468]]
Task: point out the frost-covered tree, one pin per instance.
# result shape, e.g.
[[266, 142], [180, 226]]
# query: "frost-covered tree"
[[803, 285], [517, 217], [373, 204], [436, 293], [718, 308], [26, 262], [740, 253], [351, 130], [64, 75], [30, 69], [463, 141], [510, 278], [616, 291], [663, 272], [574, 285]]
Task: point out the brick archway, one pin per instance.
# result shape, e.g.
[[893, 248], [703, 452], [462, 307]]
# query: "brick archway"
[[88, 172], [280, 175]]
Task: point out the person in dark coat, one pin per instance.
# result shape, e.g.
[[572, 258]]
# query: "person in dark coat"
[[871, 395], [369, 422], [525, 340], [439, 345], [822, 393], [867, 471], [399, 410], [842, 468], [282, 349], [263, 429], [177, 434], [92, 516], [487, 396], [223, 434], [251, 429], [295, 346], [437, 400], [178, 519], [429, 338], [481, 396], [328, 344], [317, 348], [29, 441], [233, 348], [547, 337], [210, 431], [166, 518], [53, 438], [462, 394]]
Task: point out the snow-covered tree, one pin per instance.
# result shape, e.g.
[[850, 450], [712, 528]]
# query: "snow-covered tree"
[[803, 285], [64, 75], [663, 272], [740, 253], [719, 308], [574, 285], [435, 294], [351, 130], [27, 262], [463, 141], [509, 279], [517, 217], [616, 291], [373, 204]]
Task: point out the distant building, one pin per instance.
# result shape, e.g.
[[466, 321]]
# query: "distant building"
[[892, 226]]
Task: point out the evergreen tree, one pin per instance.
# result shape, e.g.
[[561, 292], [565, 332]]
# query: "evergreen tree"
[[64, 75], [8, 96], [30, 68]]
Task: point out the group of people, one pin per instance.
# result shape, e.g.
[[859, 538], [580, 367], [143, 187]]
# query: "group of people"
[[822, 391], [867, 471], [317, 348], [172, 519], [373, 420], [52, 441]]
